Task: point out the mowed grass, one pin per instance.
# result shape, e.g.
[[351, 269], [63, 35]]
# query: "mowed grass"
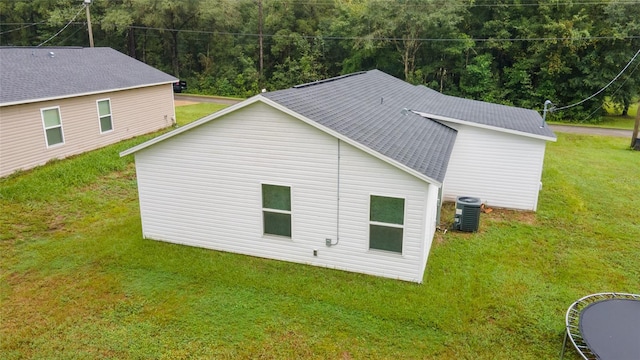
[[188, 113], [78, 281], [615, 120]]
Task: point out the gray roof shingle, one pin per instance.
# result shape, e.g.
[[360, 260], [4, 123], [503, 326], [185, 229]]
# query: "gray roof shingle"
[[30, 74], [368, 108], [495, 115]]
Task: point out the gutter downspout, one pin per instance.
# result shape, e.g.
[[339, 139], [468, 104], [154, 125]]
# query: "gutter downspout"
[[338, 199], [328, 241]]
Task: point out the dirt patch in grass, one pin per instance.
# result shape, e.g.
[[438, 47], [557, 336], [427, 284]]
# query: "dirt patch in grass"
[[184, 102], [488, 215], [502, 215]]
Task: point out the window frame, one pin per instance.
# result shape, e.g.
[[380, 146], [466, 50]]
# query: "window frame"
[[264, 210], [45, 128], [110, 115], [387, 224]]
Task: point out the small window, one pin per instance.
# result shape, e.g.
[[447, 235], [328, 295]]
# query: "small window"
[[104, 114], [276, 210], [52, 123], [386, 223]]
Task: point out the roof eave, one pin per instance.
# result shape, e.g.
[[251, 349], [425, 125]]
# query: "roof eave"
[[31, 101], [483, 126]]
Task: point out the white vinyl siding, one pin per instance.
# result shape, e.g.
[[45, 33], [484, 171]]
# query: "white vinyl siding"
[[52, 123], [503, 170], [105, 121], [430, 221], [202, 188]]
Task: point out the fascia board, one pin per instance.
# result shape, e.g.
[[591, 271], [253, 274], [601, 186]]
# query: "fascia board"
[[483, 126], [30, 101]]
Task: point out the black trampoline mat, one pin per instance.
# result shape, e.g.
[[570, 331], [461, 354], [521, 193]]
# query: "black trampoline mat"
[[611, 329]]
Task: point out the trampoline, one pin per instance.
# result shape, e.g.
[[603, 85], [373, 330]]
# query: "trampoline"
[[604, 326]]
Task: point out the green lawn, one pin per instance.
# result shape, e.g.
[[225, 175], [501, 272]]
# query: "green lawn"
[[613, 119], [618, 122], [188, 113], [78, 281]]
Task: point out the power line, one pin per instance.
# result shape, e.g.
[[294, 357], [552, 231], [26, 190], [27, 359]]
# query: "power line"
[[73, 33], [615, 91], [26, 25], [382, 38], [601, 90], [584, 38], [61, 30], [377, 38]]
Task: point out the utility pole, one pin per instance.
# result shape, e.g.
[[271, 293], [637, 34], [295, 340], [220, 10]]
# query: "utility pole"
[[87, 3], [260, 40], [635, 144]]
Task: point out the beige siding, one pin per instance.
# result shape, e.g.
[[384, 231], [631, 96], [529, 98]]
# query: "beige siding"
[[202, 188], [134, 112]]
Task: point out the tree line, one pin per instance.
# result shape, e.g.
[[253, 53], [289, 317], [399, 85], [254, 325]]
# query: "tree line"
[[516, 52]]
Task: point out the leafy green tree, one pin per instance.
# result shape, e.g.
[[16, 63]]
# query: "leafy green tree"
[[508, 51], [477, 81]]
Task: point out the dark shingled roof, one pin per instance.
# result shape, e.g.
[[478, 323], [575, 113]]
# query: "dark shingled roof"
[[369, 107], [484, 113], [32, 74]]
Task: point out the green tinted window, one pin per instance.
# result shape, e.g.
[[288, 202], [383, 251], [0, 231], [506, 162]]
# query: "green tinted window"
[[104, 107], [54, 136], [276, 197], [105, 123], [385, 238], [104, 113], [386, 215], [276, 210], [51, 117], [52, 126], [387, 210], [277, 223]]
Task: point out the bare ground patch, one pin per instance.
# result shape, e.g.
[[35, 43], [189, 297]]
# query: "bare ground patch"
[[184, 102]]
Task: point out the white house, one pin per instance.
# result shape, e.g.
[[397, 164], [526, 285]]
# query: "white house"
[[341, 173], [498, 153]]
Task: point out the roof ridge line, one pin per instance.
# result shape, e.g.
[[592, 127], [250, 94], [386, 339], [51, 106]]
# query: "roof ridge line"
[[317, 82]]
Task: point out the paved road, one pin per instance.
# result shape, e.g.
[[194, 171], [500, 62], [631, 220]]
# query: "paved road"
[[591, 130], [209, 99], [558, 128]]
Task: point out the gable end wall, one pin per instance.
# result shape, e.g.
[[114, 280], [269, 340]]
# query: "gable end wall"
[[202, 188], [503, 170]]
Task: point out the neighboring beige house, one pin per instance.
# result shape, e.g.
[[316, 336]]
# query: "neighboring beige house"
[[58, 102]]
